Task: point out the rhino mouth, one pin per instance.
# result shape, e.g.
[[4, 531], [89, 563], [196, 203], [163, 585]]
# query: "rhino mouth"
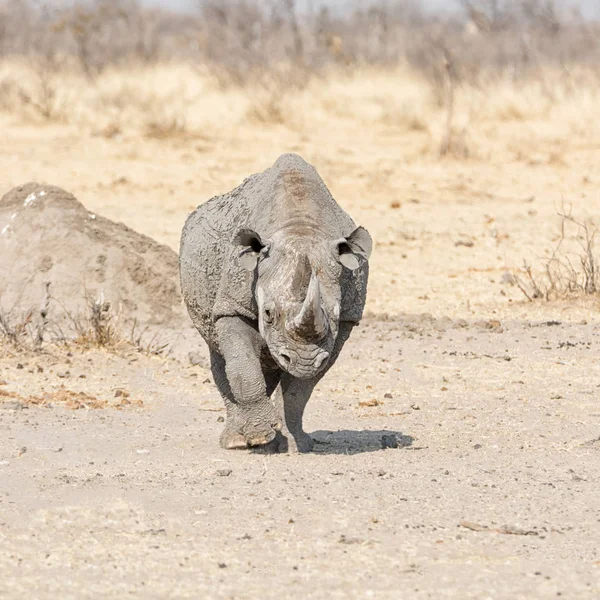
[[303, 363]]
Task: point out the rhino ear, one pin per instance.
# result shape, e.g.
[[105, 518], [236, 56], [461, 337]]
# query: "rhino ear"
[[251, 245], [354, 247]]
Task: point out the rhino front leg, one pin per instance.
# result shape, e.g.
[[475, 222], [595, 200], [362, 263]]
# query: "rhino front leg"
[[250, 412], [295, 395], [231, 437]]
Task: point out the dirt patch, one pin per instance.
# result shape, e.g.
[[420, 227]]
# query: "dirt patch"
[[66, 398], [48, 236]]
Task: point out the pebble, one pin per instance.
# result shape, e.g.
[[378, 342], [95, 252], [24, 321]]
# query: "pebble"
[[196, 358], [389, 441]]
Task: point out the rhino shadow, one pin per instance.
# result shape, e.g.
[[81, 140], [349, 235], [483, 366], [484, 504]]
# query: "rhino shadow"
[[349, 441]]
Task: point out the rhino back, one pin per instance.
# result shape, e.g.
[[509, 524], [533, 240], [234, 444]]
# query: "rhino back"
[[292, 196]]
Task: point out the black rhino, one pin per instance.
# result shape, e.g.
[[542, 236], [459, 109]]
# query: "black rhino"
[[274, 276]]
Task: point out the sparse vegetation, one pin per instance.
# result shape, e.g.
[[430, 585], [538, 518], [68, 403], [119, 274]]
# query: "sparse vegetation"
[[571, 268], [160, 74], [99, 327]]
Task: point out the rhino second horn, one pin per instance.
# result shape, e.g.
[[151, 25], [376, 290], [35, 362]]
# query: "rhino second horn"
[[311, 320]]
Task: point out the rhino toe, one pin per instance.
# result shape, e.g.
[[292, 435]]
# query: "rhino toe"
[[233, 440]]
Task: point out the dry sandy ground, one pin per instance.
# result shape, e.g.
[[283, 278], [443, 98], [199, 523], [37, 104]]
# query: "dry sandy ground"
[[493, 490]]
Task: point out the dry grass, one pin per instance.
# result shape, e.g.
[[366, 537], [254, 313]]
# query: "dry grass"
[[99, 327], [69, 399], [167, 101]]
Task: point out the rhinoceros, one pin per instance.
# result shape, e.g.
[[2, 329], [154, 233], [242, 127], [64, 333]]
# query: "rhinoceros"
[[274, 277]]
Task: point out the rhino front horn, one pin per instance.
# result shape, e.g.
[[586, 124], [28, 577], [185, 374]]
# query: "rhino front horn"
[[311, 321]]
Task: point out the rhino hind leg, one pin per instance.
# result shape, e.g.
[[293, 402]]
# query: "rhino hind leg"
[[294, 395], [252, 419]]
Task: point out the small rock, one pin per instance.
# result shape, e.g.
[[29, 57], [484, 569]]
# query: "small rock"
[[415, 407], [120, 393], [477, 446], [350, 540], [20, 366], [161, 531], [224, 472], [370, 403], [22, 451], [197, 359], [221, 419], [508, 277], [489, 324], [466, 243], [142, 451], [389, 441], [222, 565], [388, 396]]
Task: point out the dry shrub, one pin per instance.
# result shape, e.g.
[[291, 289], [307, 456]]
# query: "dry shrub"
[[270, 95], [42, 94], [406, 116], [566, 272], [268, 106], [15, 330], [165, 126], [99, 327], [9, 93], [102, 327]]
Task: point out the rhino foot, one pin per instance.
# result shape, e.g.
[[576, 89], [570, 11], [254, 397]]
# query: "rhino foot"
[[301, 442], [232, 440], [259, 424], [282, 444]]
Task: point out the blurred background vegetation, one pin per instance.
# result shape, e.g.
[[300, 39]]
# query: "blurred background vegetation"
[[240, 40]]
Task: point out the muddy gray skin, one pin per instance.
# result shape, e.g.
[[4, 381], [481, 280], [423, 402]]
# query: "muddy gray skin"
[[274, 276]]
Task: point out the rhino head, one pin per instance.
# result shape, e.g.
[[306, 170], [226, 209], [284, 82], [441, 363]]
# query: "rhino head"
[[298, 293]]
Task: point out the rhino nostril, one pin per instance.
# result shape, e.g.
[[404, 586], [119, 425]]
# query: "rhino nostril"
[[285, 358]]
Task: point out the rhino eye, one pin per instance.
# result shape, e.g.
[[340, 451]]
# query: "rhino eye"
[[268, 315]]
